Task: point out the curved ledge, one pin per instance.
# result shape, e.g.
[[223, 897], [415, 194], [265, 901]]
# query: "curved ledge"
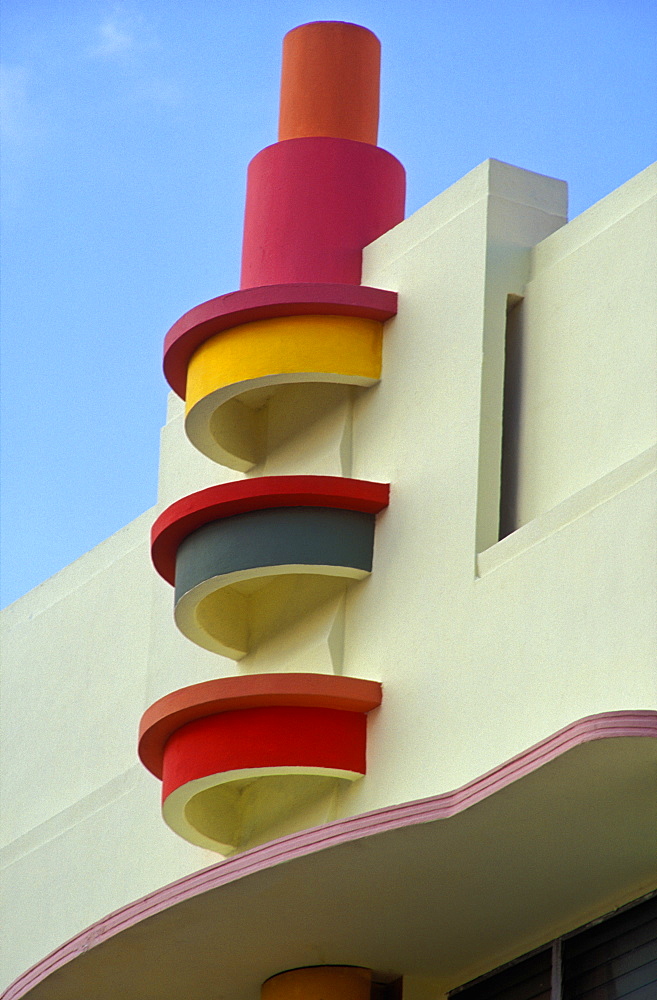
[[230, 694], [594, 780], [188, 514], [218, 772], [266, 302], [243, 579], [287, 738], [240, 382], [210, 812]]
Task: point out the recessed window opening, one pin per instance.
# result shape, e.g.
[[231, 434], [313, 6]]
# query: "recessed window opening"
[[511, 411]]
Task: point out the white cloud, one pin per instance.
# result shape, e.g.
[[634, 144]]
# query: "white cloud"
[[22, 132], [14, 117], [121, 36], [123, 39], [115, 40]]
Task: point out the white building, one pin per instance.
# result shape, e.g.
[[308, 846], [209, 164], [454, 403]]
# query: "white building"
[[510, 618]]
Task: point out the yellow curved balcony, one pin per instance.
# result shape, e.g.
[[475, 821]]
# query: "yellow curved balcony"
[[233, 376]]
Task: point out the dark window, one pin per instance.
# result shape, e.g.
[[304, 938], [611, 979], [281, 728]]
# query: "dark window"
[[511, 413], [528, 979], [613, 959]]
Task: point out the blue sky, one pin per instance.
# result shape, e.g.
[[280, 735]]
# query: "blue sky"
[[127, 129]]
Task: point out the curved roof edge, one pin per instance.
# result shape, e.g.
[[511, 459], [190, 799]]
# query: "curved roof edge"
[[604, 726]]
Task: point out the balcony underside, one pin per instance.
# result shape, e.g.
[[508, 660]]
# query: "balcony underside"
[[445, 887]]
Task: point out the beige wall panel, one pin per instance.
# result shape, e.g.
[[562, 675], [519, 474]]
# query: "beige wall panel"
[[110, 850], [589, 350], [75, 665]]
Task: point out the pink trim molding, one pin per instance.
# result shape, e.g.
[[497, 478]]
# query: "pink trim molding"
[[607, 725]]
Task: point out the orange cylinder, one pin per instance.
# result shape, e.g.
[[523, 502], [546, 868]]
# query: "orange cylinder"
[[321, 982], [330, 82]]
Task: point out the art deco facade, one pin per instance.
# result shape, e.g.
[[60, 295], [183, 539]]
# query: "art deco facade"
[[394, 678]]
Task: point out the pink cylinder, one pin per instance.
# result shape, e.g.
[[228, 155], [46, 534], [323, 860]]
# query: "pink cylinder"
[[312, 205]]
